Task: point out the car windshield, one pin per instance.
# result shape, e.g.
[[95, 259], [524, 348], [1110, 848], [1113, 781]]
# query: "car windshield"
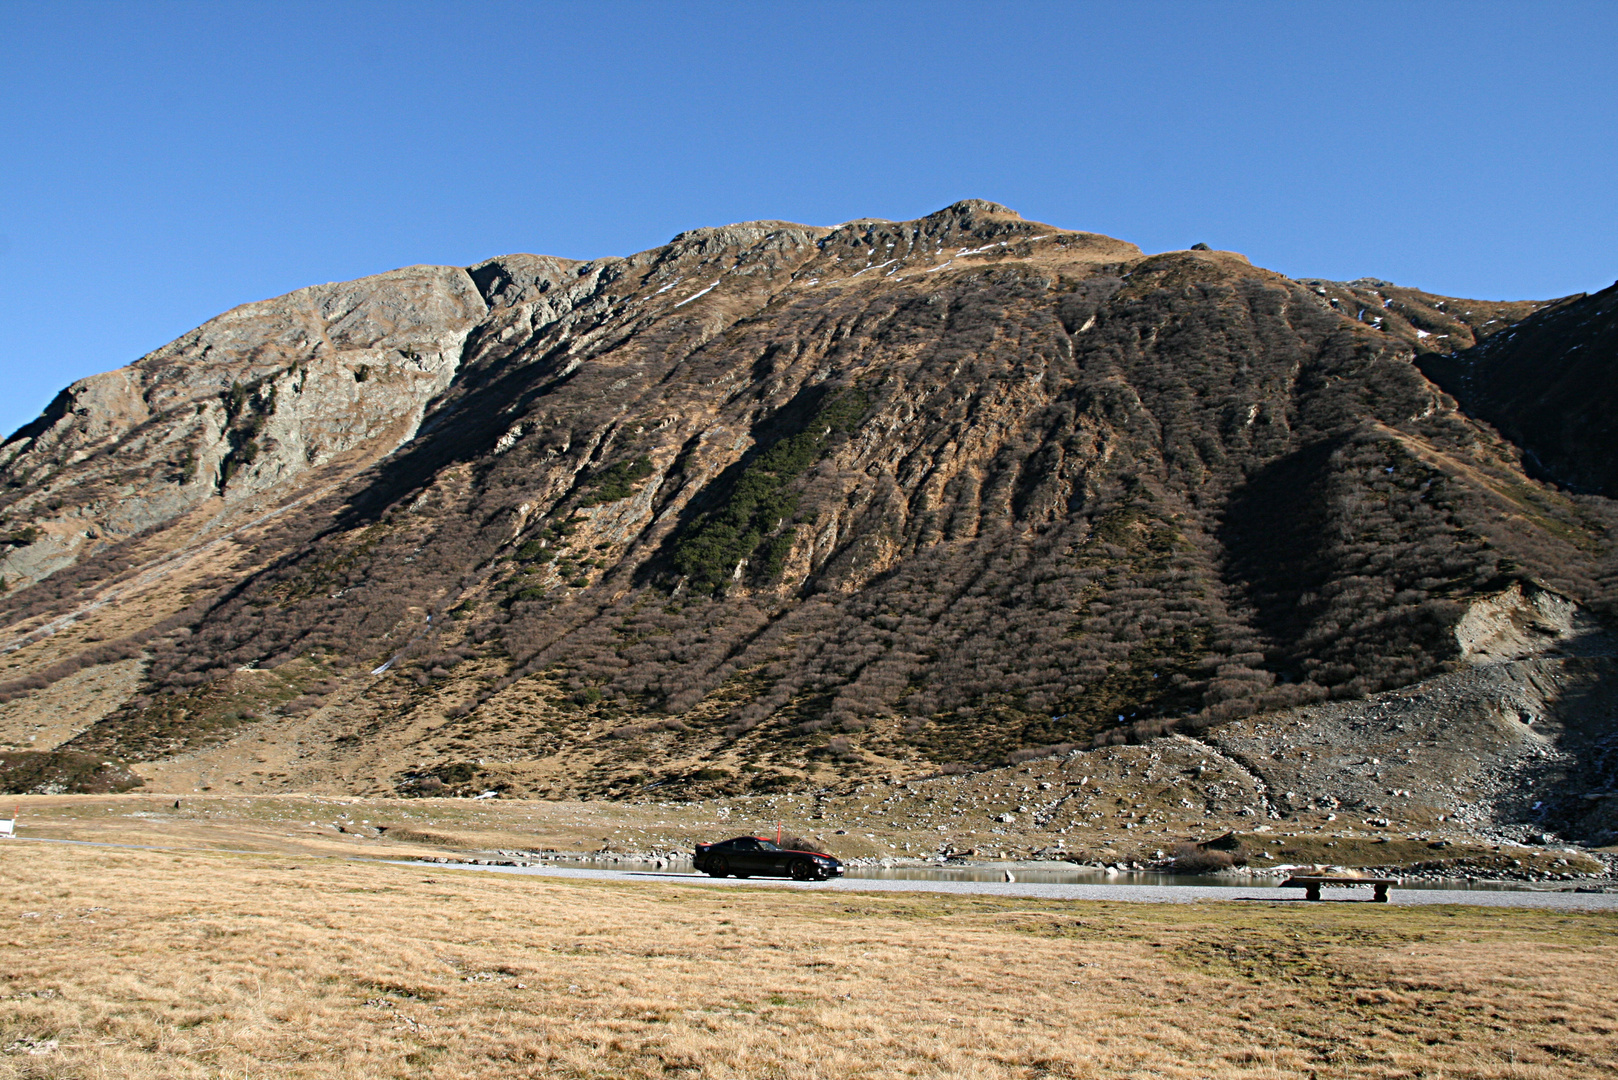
[[765, 845]]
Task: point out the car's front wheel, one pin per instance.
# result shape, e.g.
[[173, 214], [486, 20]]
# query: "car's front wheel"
[[718, 868], [802, 871]]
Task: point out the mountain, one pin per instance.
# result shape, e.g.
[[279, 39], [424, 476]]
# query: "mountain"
[[1548, 383], [775, 506]]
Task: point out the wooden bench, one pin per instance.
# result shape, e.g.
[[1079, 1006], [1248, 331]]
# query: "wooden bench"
[[1313, 885]]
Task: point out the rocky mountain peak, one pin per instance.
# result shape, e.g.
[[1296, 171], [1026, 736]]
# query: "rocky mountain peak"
[[509, 280], [975, 208]]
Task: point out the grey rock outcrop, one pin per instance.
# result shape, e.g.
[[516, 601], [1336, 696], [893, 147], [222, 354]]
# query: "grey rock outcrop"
[[1524, 621], [241, 406]]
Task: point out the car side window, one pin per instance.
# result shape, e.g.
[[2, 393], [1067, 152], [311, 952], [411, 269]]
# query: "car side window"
[[746, 845]]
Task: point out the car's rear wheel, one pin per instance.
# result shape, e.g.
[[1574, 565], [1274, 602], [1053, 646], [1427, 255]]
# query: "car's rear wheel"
[[718, 868], [802, 871]]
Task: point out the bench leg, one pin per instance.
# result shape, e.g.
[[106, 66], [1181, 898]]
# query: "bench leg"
[[1381, 896], [1311, 892]]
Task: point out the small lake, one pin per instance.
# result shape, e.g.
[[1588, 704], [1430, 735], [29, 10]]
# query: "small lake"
[[1052, 874]]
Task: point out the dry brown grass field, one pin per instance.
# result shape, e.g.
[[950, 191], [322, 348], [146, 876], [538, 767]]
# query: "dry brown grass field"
[[147, 964]]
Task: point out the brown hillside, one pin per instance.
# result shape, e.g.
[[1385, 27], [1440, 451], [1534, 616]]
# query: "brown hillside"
[[767, 507]]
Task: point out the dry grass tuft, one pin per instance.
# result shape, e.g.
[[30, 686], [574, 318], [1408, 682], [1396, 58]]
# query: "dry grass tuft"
[[147, 964]]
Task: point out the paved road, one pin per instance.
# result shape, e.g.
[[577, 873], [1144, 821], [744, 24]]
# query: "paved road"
[[1141, 894]]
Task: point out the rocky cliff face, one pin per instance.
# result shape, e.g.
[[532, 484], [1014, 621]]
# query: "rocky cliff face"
[[771, 505], [242, 407]]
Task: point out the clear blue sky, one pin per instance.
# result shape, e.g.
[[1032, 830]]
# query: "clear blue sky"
[[161, 162]]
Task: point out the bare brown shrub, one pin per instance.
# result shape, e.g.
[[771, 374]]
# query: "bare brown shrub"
[[1193, 859]]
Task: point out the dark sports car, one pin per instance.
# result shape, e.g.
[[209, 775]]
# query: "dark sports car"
[[745, 856]]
